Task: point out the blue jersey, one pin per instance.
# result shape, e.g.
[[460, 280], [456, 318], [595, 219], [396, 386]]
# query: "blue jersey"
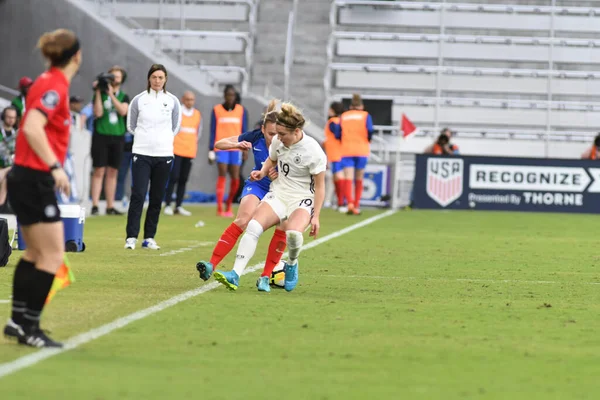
[[260, 151]]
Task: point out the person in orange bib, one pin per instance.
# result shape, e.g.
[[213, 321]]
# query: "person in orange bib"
[[593, 152], [227, 120], [333, 149], [185, 148], [355, 132]]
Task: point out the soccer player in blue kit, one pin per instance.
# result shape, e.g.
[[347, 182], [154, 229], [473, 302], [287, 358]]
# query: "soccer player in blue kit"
[[253, 192]]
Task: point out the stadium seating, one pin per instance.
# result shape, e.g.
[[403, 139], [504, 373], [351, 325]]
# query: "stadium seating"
[[213, 35], [462, 16], [530, 67]]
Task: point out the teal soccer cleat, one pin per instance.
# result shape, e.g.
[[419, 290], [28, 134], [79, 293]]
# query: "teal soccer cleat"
[[205, 269], [263, 284], [230, 279], [291, 276]]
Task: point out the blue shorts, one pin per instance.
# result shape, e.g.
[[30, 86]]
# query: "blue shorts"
[[354, 162], [256, 188], [336, 166], [229, 157]]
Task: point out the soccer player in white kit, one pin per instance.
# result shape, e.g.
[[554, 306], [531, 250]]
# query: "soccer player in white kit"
[[296, 195]]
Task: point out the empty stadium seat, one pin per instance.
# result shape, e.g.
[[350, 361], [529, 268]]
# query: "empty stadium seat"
[[463, 16], [205, 10], [565, 85], [488, 55], [204, 34], [174, 41], [503, 49]]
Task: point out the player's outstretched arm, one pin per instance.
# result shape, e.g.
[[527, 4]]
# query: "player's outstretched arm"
[[232, 143], [258, 175]]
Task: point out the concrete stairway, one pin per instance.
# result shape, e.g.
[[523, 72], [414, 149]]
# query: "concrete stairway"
[[310, 41]]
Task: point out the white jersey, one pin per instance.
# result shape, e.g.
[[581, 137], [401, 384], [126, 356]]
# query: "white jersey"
[[296, 166]]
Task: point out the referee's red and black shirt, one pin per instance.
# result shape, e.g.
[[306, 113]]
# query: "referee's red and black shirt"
[[49, 94]]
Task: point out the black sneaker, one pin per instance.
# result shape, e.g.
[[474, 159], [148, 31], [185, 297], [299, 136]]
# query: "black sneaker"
[[95, 210], [38, 338], [113, 211], [13, 331]]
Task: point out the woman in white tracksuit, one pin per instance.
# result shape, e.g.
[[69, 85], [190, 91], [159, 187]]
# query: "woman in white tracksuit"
[[153, 118]]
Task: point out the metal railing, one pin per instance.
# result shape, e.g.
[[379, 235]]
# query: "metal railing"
[[456, 70], [473, 39], [8, 90], [493, 133], [483, 102], [289, 49]]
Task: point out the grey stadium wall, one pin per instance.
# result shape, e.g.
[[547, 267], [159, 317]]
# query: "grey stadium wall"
[[23, 21]]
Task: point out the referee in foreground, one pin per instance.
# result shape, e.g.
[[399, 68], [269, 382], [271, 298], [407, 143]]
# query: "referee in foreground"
[[41, 150]]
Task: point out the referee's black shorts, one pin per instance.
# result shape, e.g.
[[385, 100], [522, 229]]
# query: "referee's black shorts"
[[31, 196]]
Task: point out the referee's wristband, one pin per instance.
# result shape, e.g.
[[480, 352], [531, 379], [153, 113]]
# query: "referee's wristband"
[[54, 166]]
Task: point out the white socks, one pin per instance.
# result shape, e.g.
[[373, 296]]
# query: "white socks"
[[294, 243], [247, 246]]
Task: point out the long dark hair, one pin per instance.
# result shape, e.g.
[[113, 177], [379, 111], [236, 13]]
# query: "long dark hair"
[[153, 69]]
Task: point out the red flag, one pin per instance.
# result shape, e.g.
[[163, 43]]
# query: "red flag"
[[408, 128]]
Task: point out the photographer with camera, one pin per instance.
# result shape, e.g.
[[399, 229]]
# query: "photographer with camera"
[[593, 153], [110, 111], [442, 145]]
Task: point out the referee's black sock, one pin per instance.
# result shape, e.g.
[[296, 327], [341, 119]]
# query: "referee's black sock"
[[21, 284], [38, 292]]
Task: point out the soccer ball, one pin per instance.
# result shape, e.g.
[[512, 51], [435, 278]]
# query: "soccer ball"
[[278, 276]]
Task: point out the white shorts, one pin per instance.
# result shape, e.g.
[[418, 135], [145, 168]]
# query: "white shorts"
[[285, 208]]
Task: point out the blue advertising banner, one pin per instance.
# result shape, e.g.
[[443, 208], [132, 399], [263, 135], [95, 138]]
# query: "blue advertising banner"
[[376, 183], [501, 183]]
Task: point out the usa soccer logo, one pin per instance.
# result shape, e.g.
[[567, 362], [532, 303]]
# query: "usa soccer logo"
[[444, 179]]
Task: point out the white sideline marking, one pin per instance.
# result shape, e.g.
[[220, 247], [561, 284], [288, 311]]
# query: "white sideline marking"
[[413, 278], [34, 358], [190, 247], [4, 301]]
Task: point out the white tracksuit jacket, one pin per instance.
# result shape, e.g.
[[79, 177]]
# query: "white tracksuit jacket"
[[154, 119]]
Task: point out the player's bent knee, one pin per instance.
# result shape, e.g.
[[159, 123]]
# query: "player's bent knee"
[[242, 222], [294, 238], [254, 228]]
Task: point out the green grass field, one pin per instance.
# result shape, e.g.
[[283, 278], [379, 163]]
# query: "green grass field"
[[418, 305]]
